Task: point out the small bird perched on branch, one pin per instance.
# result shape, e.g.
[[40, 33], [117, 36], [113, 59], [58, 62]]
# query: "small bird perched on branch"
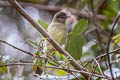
[[57, 30]]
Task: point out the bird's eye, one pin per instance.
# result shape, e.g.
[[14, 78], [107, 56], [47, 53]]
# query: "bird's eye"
[[61, 17]]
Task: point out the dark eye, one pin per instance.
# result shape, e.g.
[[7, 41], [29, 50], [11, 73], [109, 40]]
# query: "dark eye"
[[61, 17]]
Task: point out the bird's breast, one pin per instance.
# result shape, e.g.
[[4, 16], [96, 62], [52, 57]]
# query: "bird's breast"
[[58, 31]]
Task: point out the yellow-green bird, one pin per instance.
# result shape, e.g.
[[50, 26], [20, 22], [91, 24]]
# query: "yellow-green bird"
[[57, 30]]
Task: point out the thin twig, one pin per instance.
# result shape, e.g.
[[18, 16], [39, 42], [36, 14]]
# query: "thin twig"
[[99, 39], [108, 44], [102, 55], [71, 70], [96, 27], [24, 52], [99, 66], [16, 48], [115, 61], [15, 64], [100, 6], [15, 61], [92, 71], [26, 42], [20, 49]]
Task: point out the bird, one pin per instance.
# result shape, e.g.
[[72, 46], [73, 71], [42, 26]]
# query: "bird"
[[58, 30]]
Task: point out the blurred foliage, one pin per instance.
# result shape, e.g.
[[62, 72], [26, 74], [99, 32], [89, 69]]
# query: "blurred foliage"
[[110, 11], [35, 1]]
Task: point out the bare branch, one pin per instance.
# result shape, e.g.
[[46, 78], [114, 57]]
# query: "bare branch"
[[92, 70], [102, 55], [20, 49], [101, 6], [99, 66], [108, 44], [16, 48], [54, 67]]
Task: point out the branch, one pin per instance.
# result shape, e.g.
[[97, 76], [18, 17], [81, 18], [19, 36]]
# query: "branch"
[[92, 70], [99, 66], [16, 48], [101, 6], [102, 55], [108, 44], [54, 67], [26, 53], [46, 35], [20, 49], [15, 64], [25, 62]]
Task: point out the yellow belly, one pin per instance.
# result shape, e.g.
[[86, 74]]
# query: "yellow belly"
[[59, 33]]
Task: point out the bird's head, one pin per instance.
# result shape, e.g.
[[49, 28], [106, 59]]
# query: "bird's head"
[[60, 17]]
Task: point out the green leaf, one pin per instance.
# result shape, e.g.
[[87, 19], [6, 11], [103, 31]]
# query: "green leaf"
[[3, 69], [36, 61], [38, 53], [43, 24], [61, 72], [74, 45], [116, 39], [75, 39], [31, 42], [57, 55], [80, 26]]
